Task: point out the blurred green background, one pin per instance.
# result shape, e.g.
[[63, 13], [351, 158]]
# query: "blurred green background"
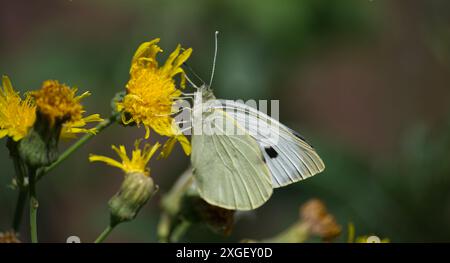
[[367, 82]]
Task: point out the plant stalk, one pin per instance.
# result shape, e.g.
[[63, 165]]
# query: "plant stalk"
[[34, 204], [20, 206], [104, 234], [83, 140]]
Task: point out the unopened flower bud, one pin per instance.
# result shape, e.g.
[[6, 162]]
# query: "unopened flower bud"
[[320, 222], [135, 191], [40, 147]]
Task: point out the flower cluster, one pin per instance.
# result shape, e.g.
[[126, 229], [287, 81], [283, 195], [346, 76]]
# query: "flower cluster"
[[150, 96], [57, 102]]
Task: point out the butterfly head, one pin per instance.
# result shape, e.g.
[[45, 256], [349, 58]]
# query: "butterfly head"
[[206, 92]]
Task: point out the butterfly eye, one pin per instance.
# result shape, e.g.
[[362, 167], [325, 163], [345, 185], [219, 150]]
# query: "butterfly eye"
[[271, 152]]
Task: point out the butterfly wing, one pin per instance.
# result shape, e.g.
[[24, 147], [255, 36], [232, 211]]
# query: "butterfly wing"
[[229, 170], [289, 157]]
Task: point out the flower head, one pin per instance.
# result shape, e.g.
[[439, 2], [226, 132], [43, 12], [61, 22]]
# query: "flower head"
[[17, 116], [137, 163], [152, 91], [137, 186], [59, 104]]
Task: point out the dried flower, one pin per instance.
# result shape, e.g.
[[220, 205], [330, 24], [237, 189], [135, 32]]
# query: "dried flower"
[[8, 237], [314, 213]]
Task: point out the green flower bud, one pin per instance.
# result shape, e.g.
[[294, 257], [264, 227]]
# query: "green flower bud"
[[184, 204], [40, 147], [21, 179], [136, 190]]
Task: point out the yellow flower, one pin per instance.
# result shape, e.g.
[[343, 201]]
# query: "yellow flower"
[[59, 103], [17, 116], [137, 163], [137, 186], [151, 93]]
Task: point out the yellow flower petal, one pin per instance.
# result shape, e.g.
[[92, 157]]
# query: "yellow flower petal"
[[71, 129], [185, 144], [167, 148], [107, 160], [138, 161], [180, 60], [147, 51], [168, 66], [17, 116]]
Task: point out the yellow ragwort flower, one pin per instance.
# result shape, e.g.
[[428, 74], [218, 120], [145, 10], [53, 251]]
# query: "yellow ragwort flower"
[[137, 186], [151, 93], [17, 116], [138, 161], [59, 103]]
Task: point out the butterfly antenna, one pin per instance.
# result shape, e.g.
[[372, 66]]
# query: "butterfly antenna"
[[215, 56], [195, 74]]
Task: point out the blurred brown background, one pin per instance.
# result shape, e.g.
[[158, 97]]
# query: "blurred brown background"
[[367, 82]]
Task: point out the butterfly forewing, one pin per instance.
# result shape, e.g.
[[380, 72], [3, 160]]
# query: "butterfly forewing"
[[229, 166], [289, 157]]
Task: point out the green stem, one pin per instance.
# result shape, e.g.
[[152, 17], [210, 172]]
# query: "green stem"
[[164, 226], [179, 231], [83, 140], [104, 234], [34, 204], [20, 181], [21, 199]]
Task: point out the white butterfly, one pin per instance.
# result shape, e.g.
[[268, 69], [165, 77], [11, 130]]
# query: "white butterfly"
[[240, 154]]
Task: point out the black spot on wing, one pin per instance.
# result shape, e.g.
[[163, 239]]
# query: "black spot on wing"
[[271, 152]]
